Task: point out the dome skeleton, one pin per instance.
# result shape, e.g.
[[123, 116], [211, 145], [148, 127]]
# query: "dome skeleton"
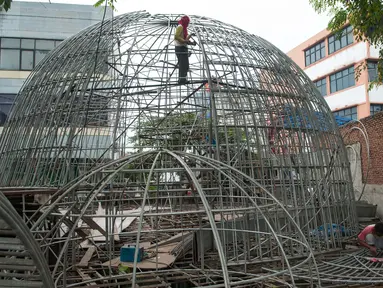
[[246, 155]]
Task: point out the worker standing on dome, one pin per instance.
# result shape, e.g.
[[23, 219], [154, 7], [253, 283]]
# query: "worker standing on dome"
[[182, 39]]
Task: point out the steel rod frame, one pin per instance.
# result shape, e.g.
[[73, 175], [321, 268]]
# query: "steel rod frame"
[[244, 164], [9, 215], [231, 218]]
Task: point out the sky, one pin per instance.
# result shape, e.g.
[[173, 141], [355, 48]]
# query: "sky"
[[284, 23]]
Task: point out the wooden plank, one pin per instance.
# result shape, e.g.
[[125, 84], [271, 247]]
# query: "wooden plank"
[[163, 248], [88, 255], [92, 224], [176, 238], [162, 260], [224, 217], [95, 272], [144, 245], [85, 277], [70, 224]]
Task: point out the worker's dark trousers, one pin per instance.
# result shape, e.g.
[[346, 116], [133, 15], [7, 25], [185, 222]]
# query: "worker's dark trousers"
[[183, 62]]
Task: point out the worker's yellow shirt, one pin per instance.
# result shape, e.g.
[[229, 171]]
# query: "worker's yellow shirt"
[[179, 36]]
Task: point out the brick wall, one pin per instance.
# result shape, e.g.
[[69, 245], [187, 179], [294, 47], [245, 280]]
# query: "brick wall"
[[374, 127]]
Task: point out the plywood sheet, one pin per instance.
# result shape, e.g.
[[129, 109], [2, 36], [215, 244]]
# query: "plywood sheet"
[[88, 255], [164, 248], [162, 260]]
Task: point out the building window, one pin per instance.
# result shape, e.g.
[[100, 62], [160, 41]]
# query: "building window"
[[372, 71], [321, 85], [24, 54], [336, 43], [342, 79], [9, 59], [375, 108], [347, 113], [6, 102], [315, 53]]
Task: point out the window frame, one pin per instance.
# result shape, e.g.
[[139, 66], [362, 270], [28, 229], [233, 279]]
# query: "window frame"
[[335, 79], [21, 59], [375, 105], [21, 49], [336, 113], [10, 103], [333, 40], [10, 49], [308, 53], [325, 85], [375, 69]]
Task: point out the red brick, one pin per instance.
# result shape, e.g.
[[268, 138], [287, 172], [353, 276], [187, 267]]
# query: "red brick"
[[374, 127]]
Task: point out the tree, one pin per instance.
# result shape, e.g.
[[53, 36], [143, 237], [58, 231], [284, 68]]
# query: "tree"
[[6, 4], [183, 130], [366, 18]]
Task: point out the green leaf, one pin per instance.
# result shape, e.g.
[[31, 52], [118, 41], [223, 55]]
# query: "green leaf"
[[99, 3], [6, 4], [337, 22], [110, 3]]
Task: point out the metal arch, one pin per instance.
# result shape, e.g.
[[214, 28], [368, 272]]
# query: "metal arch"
[[216, 165], [47, 208], [367, 141], [141, 218], [304, 242], [13, 219], [217, 238]]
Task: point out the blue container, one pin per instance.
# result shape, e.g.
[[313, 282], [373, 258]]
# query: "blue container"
[[127, 253]]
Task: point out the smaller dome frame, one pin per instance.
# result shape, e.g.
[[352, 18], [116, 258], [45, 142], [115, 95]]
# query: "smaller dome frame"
[[216, 212]]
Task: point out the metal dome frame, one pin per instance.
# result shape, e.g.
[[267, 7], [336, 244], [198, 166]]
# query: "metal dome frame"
[[93, 113]]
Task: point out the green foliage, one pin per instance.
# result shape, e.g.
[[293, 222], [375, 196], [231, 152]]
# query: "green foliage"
[[99, 3], [175, 130], [123, 268], [5, 4], [171, 130], [366, 18]]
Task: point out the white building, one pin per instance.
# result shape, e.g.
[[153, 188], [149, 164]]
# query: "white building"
[[331, 64]]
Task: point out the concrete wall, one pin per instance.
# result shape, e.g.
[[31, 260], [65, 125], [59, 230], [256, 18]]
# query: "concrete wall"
[[44, 20], [357, 152], [374, 51], [354, 95], [376, 94]]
